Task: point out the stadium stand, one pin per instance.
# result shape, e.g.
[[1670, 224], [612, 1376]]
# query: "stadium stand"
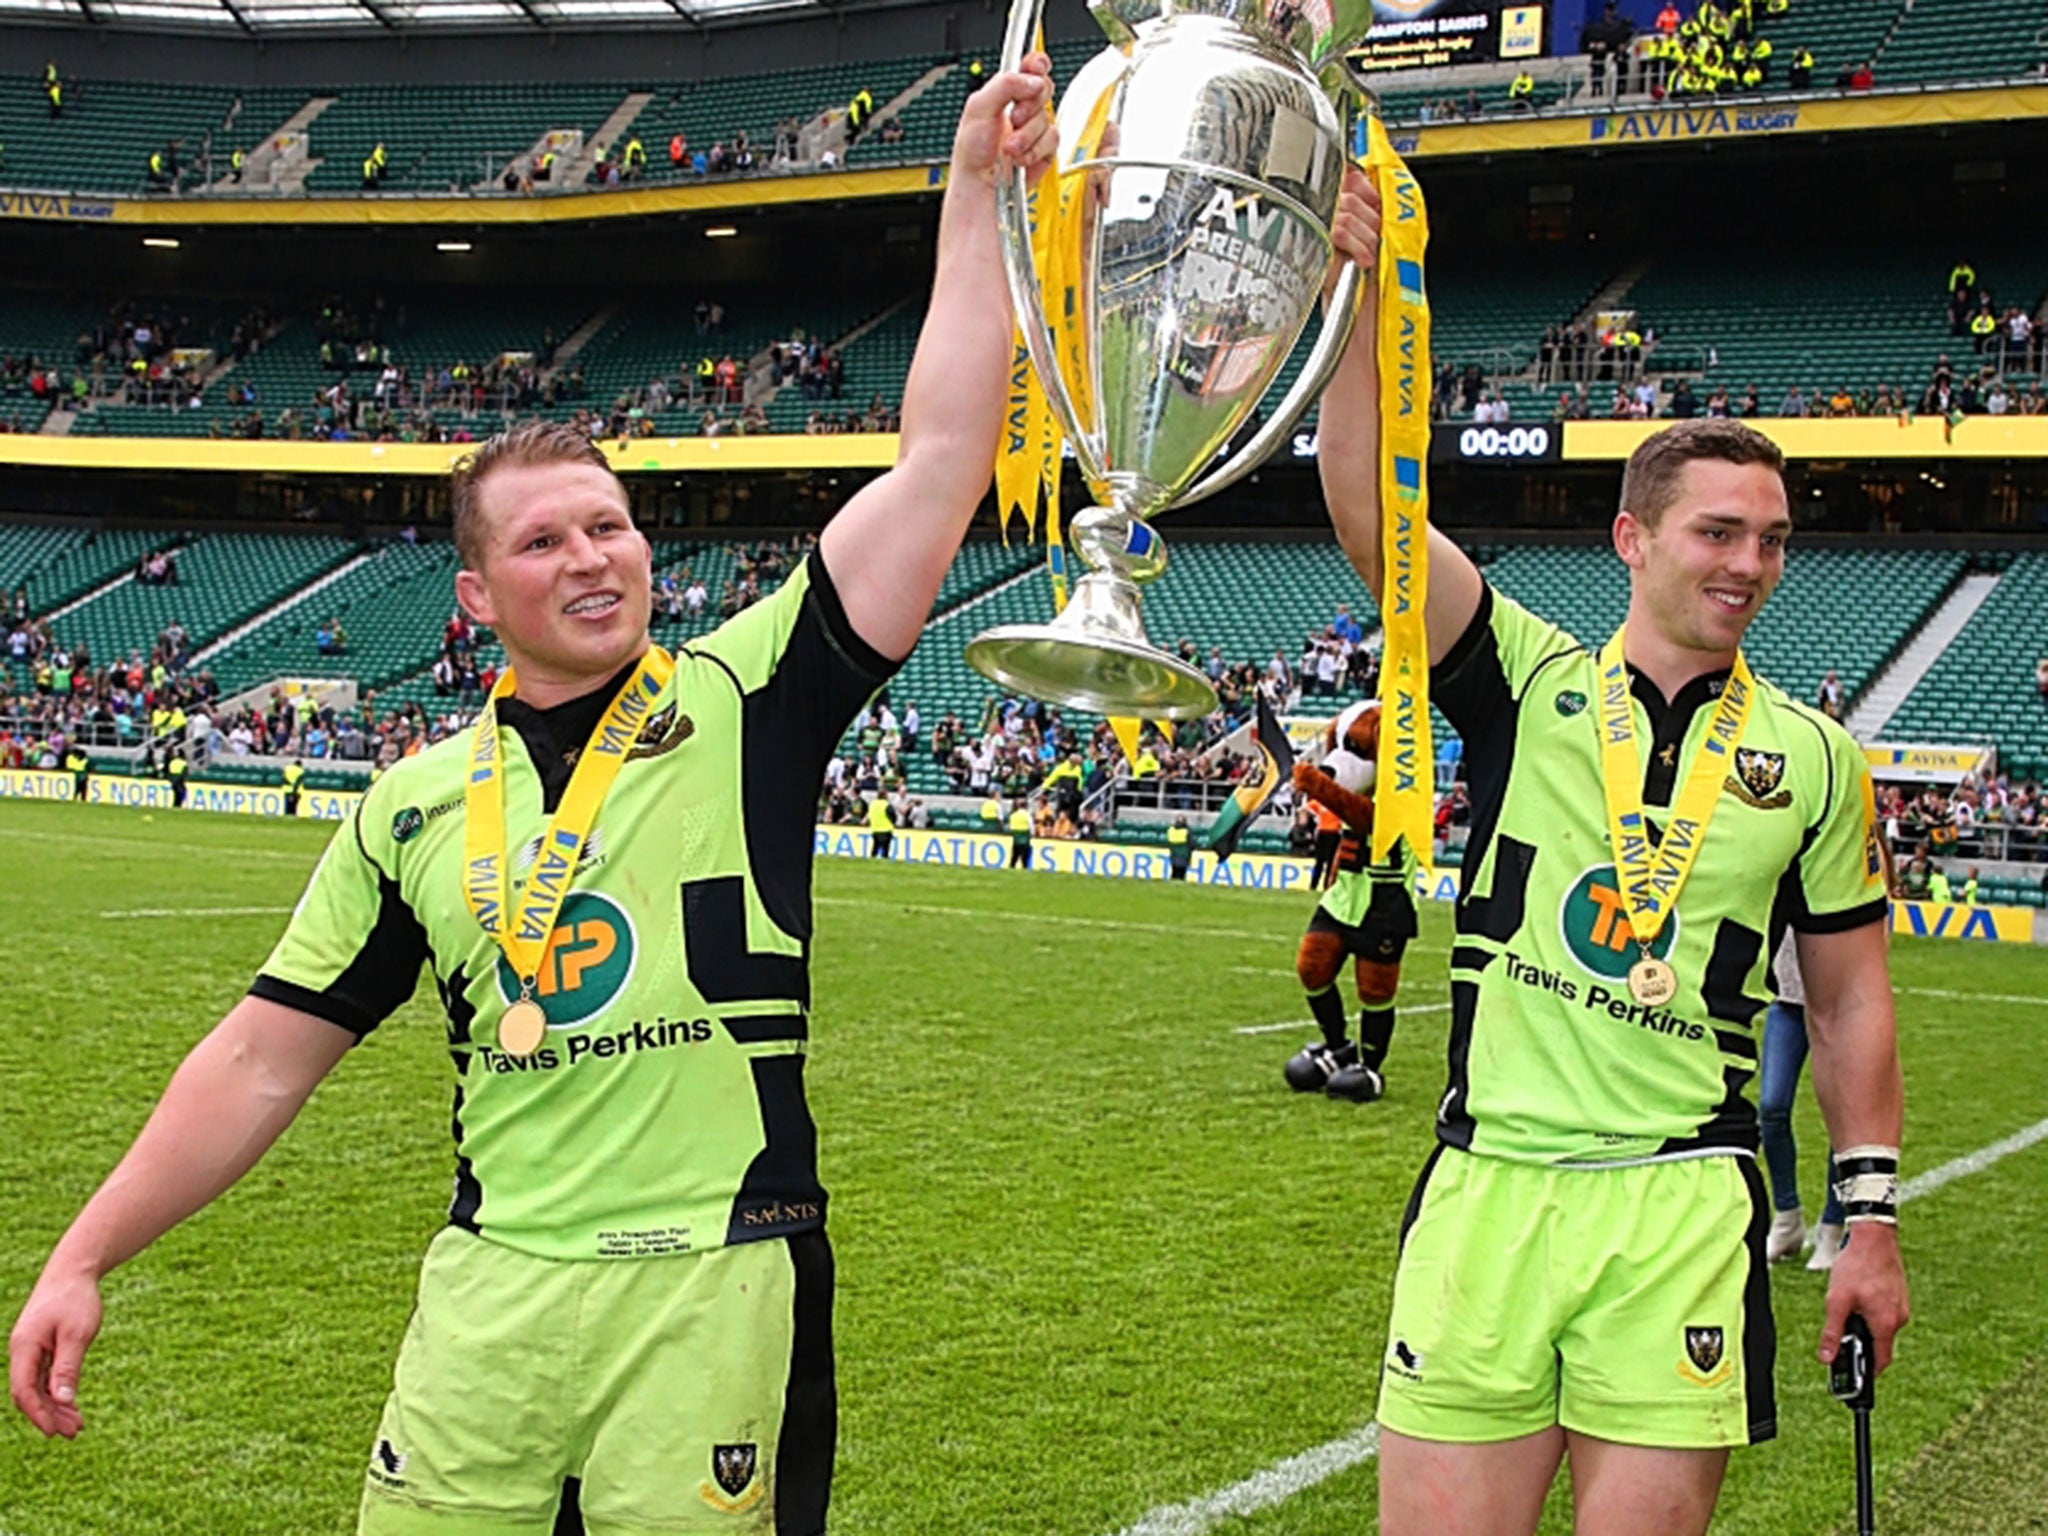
[[1982, 687], [107, 132], [1878, 319], [223, 580], [1977, 40], [448, 138], [74, 563], [712, 111], [392, 607], [453, 137]]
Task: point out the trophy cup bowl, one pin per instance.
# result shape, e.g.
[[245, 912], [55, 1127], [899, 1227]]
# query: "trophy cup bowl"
[[1214, 151]]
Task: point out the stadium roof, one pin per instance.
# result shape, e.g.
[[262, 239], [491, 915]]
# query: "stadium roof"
[[301, 17]]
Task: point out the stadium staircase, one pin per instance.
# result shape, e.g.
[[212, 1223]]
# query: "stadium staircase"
[[572, 345], [1874, 711], [266, 168], [1982, 687], [222, 580], [611, 136], [212, 648]]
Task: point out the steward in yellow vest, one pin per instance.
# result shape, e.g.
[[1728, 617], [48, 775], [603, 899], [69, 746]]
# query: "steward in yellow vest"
[[1179, 848], [881, 827], [1020, 837]]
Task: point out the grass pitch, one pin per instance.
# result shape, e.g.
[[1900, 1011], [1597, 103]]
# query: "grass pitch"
[[1094, 1258]]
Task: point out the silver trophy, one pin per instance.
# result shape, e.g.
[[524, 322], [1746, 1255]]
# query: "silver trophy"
[[1214, 149]]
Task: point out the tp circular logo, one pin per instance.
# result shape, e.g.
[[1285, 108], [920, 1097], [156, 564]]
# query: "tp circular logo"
[[1593, 919], [586, 964]]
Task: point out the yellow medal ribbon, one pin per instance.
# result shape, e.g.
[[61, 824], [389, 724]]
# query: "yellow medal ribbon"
[[1405, 798], [522, 924], [1651, 877]]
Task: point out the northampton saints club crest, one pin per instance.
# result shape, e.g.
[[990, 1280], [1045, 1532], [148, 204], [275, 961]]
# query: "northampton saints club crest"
[[733, 1465], [1756, 779], [664, 732], [1703, 1348]]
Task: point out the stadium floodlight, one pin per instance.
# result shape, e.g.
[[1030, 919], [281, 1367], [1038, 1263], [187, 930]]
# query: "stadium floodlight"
[[720, 232], [160, 242], [454, 247]]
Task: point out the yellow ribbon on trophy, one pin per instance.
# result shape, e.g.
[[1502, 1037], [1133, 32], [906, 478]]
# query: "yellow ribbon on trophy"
[[1404, 799]]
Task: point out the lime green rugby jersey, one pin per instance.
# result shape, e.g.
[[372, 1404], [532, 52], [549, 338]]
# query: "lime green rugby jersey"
[[665, 1111], [1550, 1059]]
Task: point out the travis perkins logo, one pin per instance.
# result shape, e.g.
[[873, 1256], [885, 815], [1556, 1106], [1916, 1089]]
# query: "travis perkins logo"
[[734, 1486]]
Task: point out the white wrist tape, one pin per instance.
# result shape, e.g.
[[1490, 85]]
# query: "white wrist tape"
[[1867, 1183]]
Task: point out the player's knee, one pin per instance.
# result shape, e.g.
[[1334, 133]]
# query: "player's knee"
[[1316, 962], [1378, 981]]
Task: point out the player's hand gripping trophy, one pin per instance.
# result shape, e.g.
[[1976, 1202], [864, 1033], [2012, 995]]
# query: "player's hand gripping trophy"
[[1199, 165]]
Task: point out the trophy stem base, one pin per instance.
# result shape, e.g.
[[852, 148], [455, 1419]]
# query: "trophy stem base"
[[1095, 657]]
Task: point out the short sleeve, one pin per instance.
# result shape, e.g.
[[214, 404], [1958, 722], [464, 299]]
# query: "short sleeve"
[[1481, 680], [352, 952], [798, 662], [1840, 871]]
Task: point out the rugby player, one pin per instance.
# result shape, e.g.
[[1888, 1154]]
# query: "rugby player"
[[1582, 1270], [626, 1324]]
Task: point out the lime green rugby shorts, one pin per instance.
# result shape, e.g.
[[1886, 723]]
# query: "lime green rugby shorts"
[[1631, 1304], [683, 1393]]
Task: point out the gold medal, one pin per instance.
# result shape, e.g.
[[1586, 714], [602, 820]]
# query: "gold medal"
[[1651, 982], [523, 1025]]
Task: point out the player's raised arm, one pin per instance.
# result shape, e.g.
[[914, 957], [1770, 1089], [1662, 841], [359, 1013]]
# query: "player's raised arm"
[[228, 1101], [1853, 1035], [1348, 442], [889, 548]]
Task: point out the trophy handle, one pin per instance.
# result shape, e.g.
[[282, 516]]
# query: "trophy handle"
[[1013, 194], [1338, 320]]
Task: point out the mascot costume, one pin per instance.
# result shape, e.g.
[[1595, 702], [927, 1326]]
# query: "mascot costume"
[[1367, 911]]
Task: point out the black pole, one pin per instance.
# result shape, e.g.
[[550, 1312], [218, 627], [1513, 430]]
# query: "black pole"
[[1853, 1379], [1866, 1495]]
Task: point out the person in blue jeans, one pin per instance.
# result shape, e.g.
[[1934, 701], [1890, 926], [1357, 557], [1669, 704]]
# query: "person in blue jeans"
[[1784, 1059]]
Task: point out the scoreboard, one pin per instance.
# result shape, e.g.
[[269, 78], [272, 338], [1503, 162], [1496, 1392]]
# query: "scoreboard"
[[1426, 34]]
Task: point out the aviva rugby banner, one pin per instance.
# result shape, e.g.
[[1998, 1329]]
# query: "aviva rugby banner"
[[1953, 920]]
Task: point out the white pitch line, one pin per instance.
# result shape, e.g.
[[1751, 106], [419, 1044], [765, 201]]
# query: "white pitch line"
[[1273, 1029], [196, 912], [1297, 1474], [134, 845], [1972, 997], [1972, 1162], [936, 910], [1262, 1490]]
